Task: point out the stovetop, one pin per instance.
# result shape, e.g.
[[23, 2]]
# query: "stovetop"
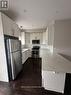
[[36, 47]]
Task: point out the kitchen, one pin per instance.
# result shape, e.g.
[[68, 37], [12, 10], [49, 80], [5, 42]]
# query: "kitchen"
[[51, 45]]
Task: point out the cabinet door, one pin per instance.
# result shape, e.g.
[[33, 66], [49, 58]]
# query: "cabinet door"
[[23, 57], [9, 26], [16, 31], [53, 81], [29, 53]]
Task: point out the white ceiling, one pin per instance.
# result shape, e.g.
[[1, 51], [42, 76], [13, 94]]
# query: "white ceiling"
[[38, 13]]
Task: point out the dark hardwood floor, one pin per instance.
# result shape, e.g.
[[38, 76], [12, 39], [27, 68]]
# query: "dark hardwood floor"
[[28, 81]]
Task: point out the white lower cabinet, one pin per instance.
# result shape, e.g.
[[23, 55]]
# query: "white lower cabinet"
[[54, 81], [25, 55]]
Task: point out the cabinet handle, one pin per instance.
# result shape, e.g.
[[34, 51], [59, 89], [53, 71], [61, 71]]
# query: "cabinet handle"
[[54, 72]]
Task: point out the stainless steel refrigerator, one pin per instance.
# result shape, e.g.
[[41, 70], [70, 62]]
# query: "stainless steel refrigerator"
[[14, 57]]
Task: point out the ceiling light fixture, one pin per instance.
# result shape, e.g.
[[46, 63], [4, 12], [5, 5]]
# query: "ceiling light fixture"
[[21, 28], [25, 10]]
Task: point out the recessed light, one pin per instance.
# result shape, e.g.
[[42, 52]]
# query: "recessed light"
[[57, 12], [25, 10], [54, 72]]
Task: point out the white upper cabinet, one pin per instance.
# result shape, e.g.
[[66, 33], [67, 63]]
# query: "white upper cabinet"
[[36, 36], [9, 26], [16, 31]]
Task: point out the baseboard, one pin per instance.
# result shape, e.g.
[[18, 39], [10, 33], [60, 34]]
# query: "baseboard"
[[48, 92]]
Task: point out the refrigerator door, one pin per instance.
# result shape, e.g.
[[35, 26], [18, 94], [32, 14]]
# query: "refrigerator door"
[[14, 57], [16, 63], [15, 45]]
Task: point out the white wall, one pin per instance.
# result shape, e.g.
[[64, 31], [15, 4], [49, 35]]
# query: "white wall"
[[23, 38], [44, 40], [3, 64], [62, 36], [27, 38], [45, 36], [51, 36]]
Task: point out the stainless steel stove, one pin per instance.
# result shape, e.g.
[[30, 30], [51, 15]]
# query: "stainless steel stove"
[[35, 51]]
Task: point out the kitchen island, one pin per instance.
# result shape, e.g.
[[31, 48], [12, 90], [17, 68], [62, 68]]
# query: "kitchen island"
[[54, 69]]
